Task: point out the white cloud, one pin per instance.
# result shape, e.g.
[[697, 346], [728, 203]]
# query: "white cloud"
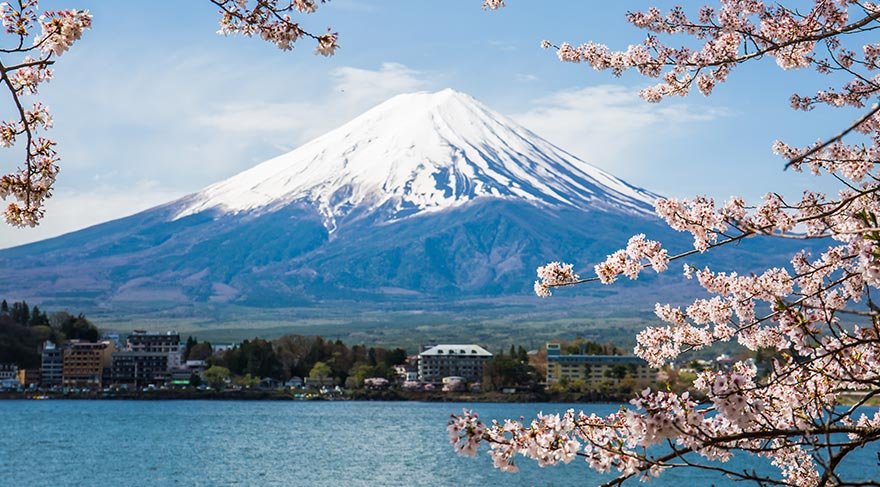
[[502, 45], [358, 85], [610, 126], [351, 92], [525, 77]]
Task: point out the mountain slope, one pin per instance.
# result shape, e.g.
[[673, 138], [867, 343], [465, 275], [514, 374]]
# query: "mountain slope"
[[426, 197]]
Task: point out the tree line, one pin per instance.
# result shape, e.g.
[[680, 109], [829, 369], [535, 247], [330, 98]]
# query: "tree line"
[[298, 356], [23, 330]]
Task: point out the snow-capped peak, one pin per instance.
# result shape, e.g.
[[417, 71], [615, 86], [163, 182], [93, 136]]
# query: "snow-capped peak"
[[420, 152]]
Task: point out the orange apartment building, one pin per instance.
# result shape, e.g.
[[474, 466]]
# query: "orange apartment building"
[[84, 363]]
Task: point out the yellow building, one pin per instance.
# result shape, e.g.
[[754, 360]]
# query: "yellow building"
[[28, 377], [594, 369]]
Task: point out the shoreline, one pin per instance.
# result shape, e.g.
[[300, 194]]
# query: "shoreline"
[[358, 396], [262, 395]]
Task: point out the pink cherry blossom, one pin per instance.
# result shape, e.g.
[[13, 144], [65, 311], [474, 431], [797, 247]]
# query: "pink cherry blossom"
[[816, 312], [25, 66]]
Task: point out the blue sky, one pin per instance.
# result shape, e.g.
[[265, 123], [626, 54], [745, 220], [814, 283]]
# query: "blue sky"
[[152, 104]]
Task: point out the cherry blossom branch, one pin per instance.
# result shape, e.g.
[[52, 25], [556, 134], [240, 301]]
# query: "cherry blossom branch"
[[32, 184], [271, 21], [837, 138]]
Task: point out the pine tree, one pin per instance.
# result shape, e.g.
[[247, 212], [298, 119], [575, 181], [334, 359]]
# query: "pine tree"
[[38, 318], [190, 343], [25, 314], [20, 313]]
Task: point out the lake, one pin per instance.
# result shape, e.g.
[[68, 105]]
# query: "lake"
[[110, 443]]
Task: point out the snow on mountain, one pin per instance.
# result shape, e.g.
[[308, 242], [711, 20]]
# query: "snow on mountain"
[[427, 200], [416, 153]]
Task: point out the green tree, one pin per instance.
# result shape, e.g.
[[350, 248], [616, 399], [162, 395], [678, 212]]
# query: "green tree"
[[255, 357], [78, 328], [190, 343], [216, 376], [200, 351], [362, 371], [20, 313], [195, 380], [395, 357], [38, 318], [18, 343], [247, 381], [320, 371], [523, 355], [506, 371]]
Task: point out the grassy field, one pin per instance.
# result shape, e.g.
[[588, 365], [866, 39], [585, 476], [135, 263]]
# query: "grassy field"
[[493, 324]]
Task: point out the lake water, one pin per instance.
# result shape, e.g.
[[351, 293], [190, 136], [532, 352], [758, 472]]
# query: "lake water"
[[110, 443]]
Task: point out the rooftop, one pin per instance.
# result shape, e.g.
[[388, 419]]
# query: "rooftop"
[[597, 359], [153, 333], [469, 350]]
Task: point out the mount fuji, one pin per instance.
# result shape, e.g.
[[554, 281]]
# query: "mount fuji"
[[417, 154], [427, 197]]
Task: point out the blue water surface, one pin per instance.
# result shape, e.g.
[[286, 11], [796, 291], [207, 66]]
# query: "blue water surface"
[[217, 443]]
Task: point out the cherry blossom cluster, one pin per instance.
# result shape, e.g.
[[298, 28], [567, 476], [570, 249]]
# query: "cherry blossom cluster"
[[271, 21], [465, 432], [38, 41], [815, 314], [631, 261], [733, 33], [706, 224], [61, 29], [554, 274]]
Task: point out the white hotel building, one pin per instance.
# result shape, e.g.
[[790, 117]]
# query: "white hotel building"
[[442, 361]]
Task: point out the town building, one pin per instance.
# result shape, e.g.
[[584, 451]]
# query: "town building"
[[52, 368], [85, 363], [9, 377], [154, 342], [196, 366], [139, 368], [465, 361], [594, 369], [184, 374], [454, 383], [219, 348], [8, 371], [29, 377], [270, 383], [406, 372], [319, 381], [115, 338]]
